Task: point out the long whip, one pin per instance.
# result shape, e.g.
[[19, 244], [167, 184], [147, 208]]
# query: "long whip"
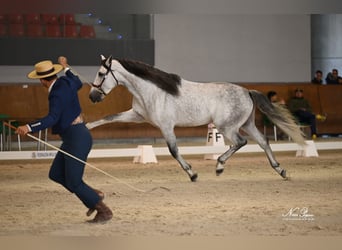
[[83, 79], [86, 163]]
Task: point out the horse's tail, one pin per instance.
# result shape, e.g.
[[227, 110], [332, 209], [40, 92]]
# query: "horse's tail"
[[279, 115]]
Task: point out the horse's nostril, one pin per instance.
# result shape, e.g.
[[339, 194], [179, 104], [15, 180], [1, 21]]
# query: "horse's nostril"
[[95, 96], [91, 97]]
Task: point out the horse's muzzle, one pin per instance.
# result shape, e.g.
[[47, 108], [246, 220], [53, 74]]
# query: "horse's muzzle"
[[95, 96]]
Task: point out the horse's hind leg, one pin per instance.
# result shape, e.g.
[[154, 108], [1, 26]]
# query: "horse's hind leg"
[[238, 142], [263, 143]]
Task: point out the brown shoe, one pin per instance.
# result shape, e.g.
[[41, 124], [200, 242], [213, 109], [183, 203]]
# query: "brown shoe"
[[101, 194], [103, 213]]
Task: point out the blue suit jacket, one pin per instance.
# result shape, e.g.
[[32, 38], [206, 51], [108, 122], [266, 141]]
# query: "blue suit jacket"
[[64, 105]]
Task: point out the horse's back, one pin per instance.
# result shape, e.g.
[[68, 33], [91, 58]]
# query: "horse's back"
[[216, 91], [202, 103]]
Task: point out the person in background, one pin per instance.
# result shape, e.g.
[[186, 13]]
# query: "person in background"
[[65, 118], [301, 109], [318, 77], [273, 97], [333, 77]]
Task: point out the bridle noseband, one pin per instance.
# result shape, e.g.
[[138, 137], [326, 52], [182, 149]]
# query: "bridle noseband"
[[109, 70]]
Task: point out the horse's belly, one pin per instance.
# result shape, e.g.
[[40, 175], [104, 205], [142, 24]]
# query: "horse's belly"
[[193, 116]]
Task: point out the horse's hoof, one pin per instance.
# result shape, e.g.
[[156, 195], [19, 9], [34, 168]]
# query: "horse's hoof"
[[194, 177], [283, 173], [219, 171]]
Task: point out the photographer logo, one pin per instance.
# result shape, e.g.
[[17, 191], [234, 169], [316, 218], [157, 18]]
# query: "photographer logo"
[[298, 213]]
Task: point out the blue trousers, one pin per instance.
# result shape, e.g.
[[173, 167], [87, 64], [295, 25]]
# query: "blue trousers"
[[307, 118], [68, 172]]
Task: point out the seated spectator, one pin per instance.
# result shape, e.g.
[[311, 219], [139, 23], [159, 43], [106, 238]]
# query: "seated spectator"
[[301, 109], [318, 77], [333, 77], [273, 97]]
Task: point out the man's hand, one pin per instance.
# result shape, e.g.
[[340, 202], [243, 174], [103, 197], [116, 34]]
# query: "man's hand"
[[62, 60], [22, 130]]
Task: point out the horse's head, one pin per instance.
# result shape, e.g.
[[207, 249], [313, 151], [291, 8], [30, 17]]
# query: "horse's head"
[[104, 82]]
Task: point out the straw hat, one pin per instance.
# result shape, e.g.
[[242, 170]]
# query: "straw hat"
[[44, 69]]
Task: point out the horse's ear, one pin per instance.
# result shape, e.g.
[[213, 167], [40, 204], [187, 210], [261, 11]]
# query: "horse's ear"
[[108, 62], [103, 60]]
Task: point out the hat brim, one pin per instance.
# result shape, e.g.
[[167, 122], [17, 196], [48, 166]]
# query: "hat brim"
[[57, 68]]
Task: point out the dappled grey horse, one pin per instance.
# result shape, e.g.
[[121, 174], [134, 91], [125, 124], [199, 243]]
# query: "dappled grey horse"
[[166, 101]]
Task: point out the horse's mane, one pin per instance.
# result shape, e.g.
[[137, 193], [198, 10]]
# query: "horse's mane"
[[166, 81]]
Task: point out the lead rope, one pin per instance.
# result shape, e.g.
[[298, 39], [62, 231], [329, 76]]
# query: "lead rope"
[[88, 164]]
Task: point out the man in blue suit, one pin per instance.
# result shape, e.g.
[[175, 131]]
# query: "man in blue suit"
[[65, 119]]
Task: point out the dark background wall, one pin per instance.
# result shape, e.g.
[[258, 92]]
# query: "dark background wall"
[[25, 51]]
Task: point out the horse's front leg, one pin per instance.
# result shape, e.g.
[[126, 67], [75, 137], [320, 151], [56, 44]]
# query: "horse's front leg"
[[171, 143], [127, 116]]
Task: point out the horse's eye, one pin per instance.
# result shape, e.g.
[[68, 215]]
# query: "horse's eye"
[[101, 74]]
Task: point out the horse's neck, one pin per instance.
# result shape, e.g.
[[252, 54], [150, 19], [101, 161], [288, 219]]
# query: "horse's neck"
[[136, 86]]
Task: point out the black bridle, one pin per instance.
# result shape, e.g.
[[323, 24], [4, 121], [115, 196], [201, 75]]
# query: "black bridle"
[[104, 76]]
